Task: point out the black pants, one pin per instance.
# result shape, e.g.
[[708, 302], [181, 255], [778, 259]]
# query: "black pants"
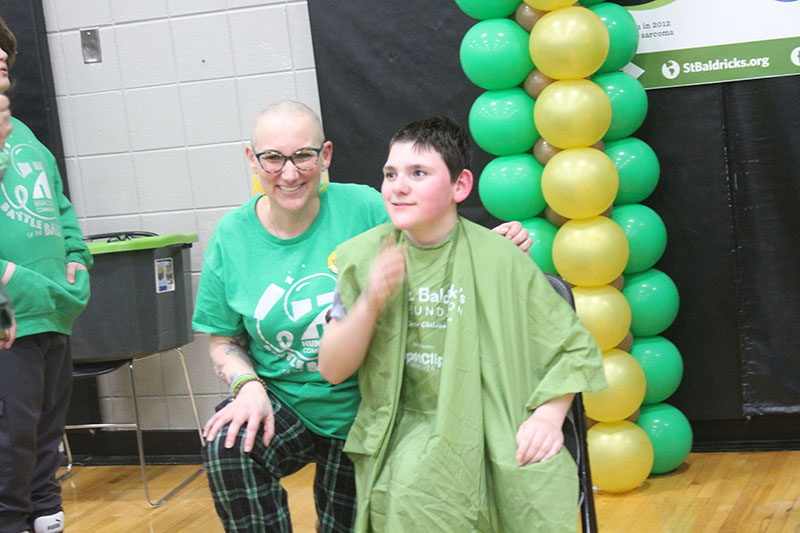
[[35, 391]]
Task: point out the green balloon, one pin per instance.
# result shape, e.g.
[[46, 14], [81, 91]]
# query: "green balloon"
[[542, 234], [662, 365], [647, 235], [653, 298], [495, 54], [501, 122], [637, 166], [510, 187], [487, 9], [623, 35], [587, 3], [628, 103], [670, 433]]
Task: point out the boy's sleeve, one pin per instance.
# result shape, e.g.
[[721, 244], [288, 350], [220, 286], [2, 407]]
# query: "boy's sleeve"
[[566, 354]]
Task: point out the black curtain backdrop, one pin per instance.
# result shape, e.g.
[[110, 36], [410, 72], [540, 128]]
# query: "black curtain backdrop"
[[32, 94], [728, 195]]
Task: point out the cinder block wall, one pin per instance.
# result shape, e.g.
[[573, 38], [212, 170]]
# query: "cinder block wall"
[[154, 139]]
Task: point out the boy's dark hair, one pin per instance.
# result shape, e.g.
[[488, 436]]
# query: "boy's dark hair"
[[441, 134], [8, 43]]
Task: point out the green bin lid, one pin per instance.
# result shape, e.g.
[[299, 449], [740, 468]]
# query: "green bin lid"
[[141, 243]]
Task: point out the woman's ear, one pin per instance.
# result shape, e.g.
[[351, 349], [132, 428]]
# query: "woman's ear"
[[463, 186], [251, 159], [327, 154]]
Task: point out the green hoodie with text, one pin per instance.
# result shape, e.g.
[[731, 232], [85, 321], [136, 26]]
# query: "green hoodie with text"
[[39, 233]]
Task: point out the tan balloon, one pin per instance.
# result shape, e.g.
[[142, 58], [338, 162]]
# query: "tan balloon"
[[553, 217], [626, 344], [535, 83], [618, 283], [526, 16], [543, 151]]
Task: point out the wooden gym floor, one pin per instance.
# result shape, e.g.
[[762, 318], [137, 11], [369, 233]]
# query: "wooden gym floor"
[[710, 492]]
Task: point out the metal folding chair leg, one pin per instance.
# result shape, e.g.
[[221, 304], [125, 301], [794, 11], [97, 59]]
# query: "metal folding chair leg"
[[138, 428], [140, 445]]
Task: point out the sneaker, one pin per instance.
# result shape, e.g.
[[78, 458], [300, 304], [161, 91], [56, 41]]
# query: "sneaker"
[[52, 523]]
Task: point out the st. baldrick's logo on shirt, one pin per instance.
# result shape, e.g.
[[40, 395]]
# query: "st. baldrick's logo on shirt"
[[28, 198], [304, 302], [432, 304]]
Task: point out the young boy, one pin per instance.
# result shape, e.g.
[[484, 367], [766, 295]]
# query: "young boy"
[[467, 359]]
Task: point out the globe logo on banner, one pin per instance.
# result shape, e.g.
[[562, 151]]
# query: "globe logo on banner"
[[795, 55], [671, 69]]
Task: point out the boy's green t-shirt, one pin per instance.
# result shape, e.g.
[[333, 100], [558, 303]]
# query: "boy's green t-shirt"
[[277, 292], [433, 303]]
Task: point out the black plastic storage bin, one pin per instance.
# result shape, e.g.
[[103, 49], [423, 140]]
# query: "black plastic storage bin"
[[141, 296]]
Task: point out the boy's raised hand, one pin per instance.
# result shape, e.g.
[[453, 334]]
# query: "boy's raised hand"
[[387, 273]]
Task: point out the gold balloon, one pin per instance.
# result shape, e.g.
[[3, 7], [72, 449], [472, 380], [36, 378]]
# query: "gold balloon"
[[620, 455], [535, 83], [543, 151], [605, 312], [549, 5], [526, 16], [590, 252], [580, 182], [626, 387], [572, 113], [569, 43]]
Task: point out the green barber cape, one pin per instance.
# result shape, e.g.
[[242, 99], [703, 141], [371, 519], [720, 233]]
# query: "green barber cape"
[[511, 343]]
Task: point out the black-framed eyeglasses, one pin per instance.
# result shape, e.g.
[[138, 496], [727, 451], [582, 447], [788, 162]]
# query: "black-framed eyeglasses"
[[303, 159]]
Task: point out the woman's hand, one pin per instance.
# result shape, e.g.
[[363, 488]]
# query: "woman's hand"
[[250, 408], [515, 233]]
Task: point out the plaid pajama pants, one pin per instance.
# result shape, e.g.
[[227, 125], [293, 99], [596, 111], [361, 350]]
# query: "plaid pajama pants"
[[246, 487]]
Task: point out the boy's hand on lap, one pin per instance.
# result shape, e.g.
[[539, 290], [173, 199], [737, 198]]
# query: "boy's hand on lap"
[[538, 439]]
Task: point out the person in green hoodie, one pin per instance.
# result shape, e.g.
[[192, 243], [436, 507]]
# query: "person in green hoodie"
[[467, 359], [43, 266]]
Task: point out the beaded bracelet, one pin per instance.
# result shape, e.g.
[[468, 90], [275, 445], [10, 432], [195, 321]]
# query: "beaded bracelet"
[[241, 381]]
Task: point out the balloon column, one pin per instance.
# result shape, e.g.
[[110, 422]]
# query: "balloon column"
[[558, 113]]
